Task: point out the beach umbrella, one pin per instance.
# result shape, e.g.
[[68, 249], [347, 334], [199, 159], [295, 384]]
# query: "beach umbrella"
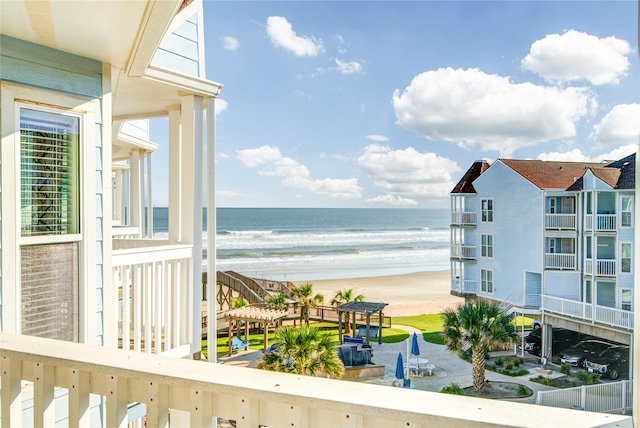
[[399, 367], [415, 349]]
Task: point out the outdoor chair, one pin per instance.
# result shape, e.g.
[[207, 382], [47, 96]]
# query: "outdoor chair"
[[237, 343], [373, 332]]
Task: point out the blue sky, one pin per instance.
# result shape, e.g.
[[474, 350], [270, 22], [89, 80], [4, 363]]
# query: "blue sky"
[[386, 104]]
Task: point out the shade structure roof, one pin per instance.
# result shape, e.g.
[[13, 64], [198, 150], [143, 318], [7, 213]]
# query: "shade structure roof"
[[256, 314], [361, 307]]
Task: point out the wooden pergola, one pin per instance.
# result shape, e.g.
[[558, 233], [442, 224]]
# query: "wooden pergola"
[[254, 314], [366, 308]]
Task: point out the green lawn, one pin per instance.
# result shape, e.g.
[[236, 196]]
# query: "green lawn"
[[429, 325]]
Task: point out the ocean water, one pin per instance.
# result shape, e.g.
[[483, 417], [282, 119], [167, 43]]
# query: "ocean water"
[[298, 244]]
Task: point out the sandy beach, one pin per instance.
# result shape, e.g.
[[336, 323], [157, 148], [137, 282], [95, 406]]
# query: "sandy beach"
[[410, 294]]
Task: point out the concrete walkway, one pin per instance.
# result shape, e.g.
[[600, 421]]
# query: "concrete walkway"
[[450, 368]]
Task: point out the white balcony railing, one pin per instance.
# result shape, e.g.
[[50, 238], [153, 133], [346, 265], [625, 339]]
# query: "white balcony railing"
[[154, 287], [467, 218], [604, 267], [181, 392], [464, 286], [589, 312], [560, 261], [606, 222], [463, 252], [125, 232], [560, 221]]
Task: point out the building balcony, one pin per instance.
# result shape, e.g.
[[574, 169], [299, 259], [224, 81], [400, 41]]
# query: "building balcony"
[[603, 267], [603, 222], [178, 392], [464, 286], [560, 261], [463, 252], [459, 218], [153, 296], [604, 315], [560, 221]]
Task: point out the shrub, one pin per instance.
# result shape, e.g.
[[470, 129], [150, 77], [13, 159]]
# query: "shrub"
[[517, 362], [521, 372], [509, 365], [523, 390], [452, 389], [499, 361], [565, 369], [582, 376]]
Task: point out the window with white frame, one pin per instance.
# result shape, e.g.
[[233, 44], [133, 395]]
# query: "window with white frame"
[[486, 281], [49, 173], [49, 222], [626, 212], [626, 299], [626, 259], [487, 246], [487, 210]]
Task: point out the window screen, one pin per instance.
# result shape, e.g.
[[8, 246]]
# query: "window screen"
[[49, 165], [49, 290]]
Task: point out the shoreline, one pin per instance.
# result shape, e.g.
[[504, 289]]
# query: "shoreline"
[[417, 293]]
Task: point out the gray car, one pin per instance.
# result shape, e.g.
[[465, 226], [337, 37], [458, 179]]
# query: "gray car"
[[576, 354]]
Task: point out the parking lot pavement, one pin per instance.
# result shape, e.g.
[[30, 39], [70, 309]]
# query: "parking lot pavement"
[[449, 367]]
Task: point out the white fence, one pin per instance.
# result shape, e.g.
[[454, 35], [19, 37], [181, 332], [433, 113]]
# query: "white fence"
[[458, 217], [464, 286], [463, 252], [154, 296], [588, 311], [187, 393], [560, 261], [616, 397], [560, 221]]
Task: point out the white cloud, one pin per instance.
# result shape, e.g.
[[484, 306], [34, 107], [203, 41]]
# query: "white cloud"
[[350, 67], [282, 35], [220, 105], [393, 200], [408, 173], [378, 138], [295, 175], [230, 43], [620, 126], [223, 155], [472, 107], [576, 155], [574, 56]]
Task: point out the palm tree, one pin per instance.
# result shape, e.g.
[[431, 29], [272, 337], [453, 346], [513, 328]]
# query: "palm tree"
[[304, 351], [277, 301], [345, 296], [482, 326], [303, 295]]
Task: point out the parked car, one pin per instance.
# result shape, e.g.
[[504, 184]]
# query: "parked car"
[[561, 338], [576, 354], [613, 362]]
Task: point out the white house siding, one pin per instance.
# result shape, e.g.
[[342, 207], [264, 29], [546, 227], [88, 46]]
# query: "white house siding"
[[181, 50], [517, 228], [136, 128], [41, 67]]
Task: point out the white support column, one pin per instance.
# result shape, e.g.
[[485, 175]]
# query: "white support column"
[[136, 191], [116, 195], [212, 327], [175, 176], [149, 196], [192, 161]]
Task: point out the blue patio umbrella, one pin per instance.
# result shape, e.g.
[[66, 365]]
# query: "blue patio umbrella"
[[399, 367], [415, 349]]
